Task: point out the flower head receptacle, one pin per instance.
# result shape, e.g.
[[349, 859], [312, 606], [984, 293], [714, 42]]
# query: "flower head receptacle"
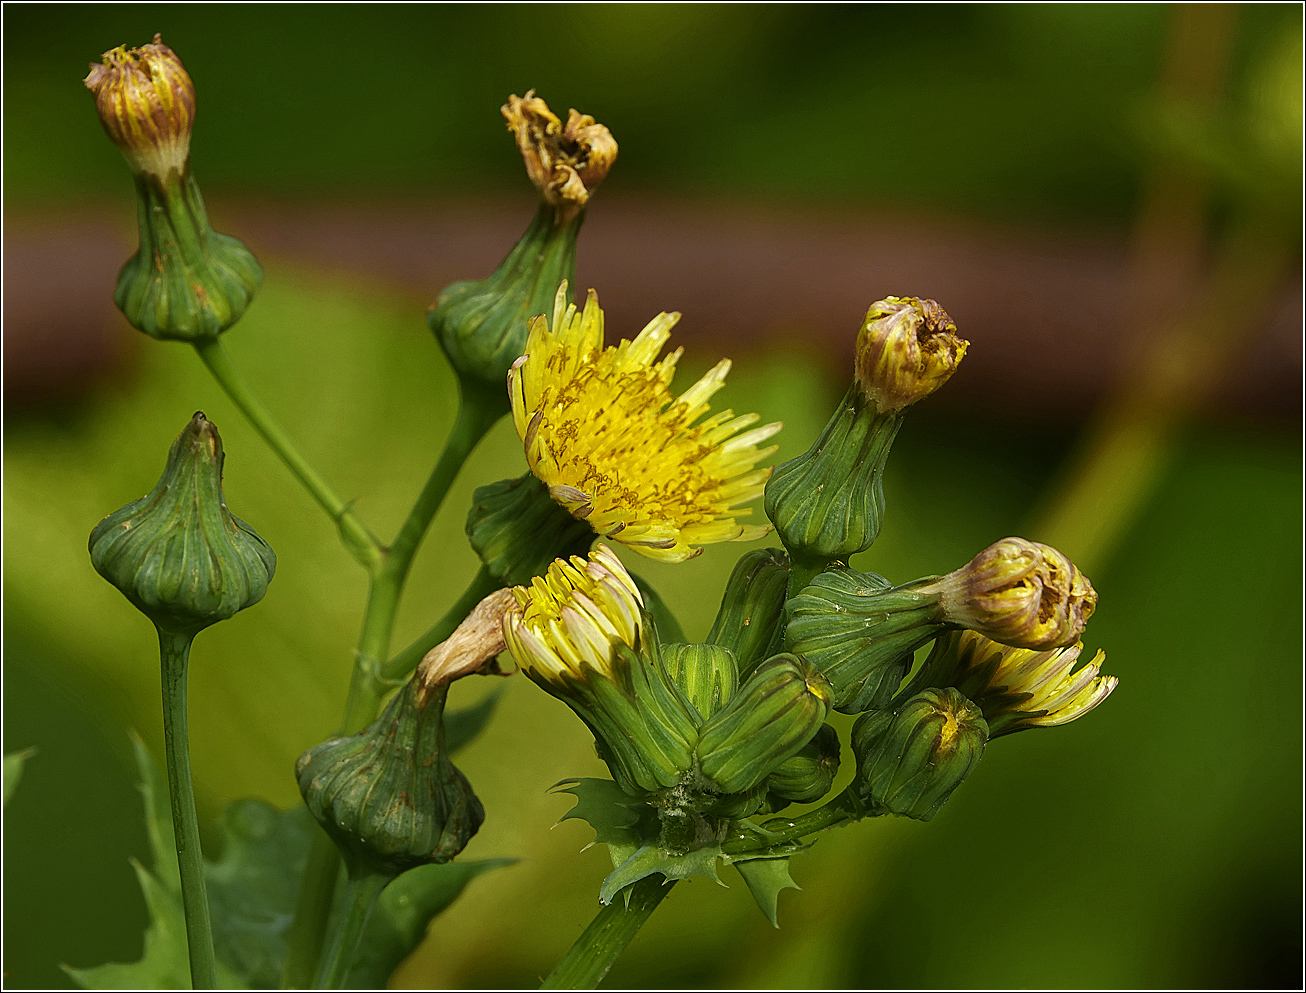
[[581, 633], [602, 430], [187, 282]]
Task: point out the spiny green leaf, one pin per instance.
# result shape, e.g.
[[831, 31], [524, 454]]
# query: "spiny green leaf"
[[403, 914], [158, 817], [613, 814], [461, 726], [13, 770], [765, 879], [650, 859], [165, 962]]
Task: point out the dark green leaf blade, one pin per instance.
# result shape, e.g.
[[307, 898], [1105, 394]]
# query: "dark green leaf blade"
[[461, 726], [765, 879]]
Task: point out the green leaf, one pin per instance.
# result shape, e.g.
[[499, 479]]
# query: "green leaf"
[[461, 726], [669, 629], [165, 962], [650, 859], [403, 914], [613, 814], [254, 886], [13, 770], [158, 817], [765, 879]]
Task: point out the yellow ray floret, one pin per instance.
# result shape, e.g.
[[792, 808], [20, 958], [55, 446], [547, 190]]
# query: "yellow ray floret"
[[573, 618], [603, 431]]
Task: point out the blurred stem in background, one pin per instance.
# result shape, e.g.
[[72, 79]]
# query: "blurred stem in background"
[[1185, 331]]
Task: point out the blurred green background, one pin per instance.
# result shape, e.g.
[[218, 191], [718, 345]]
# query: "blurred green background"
[[1156, 843]]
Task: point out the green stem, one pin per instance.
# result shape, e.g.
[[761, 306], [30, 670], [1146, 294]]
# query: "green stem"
[[360, 542], [783, 830], [601, 944], [404, 662], [174, 652], [477, 413], [802, 570], [362, 891]]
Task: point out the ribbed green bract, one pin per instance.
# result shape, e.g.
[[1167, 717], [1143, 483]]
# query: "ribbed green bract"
[[752, 607], [644, 728], [909, 763], [772, 716], [518, 530], [807, 775], [177, 553], [706, 674], [389, 797], [187, 282], [828, 503], [860, 631], [481, 323]]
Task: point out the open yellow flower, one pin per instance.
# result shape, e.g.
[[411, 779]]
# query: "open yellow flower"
[[603, 431]]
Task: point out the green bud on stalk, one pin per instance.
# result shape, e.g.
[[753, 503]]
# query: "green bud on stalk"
[[909, 762], [518, 529], [187, 282], [706, 674], [806, 776], [481, 324], [752, 608], [772, 716], [828, 503], [177, 553]]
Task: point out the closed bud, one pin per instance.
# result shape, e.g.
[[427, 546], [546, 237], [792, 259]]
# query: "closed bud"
[[518, 529], [806, 776], [1020, 593], [772, 716], [860, 632], [187, 282], [177, 553], [482, 324], [389, 797], [907, 348], [752, 608], [1017, 688], [909, 762], [580, 632], [706, 675]]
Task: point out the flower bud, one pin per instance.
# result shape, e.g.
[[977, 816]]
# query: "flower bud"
[[482, 324], [146, 103], [808, 775], [187, 282], [907, 348], [909, 762], [518, 529], [772, 716], [565, 162], [1017, 688], [1020, 593], [860, 632], [706, 674], [177, 553], [752, 607], [389, 797], [580, 632]]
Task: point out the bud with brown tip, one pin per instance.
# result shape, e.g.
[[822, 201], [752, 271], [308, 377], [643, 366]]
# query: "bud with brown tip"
[[907, 348], [1019, 593]]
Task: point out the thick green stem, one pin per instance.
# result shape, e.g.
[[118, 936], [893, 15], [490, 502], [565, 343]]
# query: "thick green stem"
[[783, 830], [360, 896], [360, 542], [601, 944], [174, 652], [802, 570], [404, 662], [476, 415]]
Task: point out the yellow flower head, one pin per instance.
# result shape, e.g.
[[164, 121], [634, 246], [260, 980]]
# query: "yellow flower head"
[[1018, 687], [573, 618], [603, 431], [146, 103]]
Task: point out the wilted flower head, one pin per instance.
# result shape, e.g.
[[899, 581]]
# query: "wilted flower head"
[[1020, 593], [575, 617], [603, 431], [565, 162], [907, 348], [1020, 688], [146, 102]]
